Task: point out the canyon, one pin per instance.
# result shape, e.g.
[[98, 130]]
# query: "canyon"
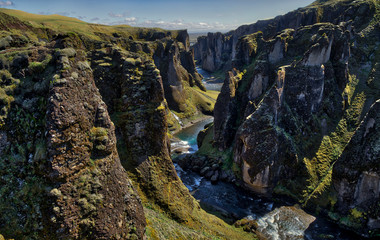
[[90, 116]]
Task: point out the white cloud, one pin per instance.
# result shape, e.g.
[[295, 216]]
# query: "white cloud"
[[130, 19], [177, 24], [6, 3]]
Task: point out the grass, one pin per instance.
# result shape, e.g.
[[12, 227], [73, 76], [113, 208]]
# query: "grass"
[[320, 167], [198, 101], [65, 24], [160, 226], [186, 219], [208, 149], [210, 94]]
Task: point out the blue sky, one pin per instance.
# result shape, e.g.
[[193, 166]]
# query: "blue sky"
[[195, 15]]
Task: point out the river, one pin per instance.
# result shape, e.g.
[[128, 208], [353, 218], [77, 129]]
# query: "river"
[[211, 82], [233, 202]]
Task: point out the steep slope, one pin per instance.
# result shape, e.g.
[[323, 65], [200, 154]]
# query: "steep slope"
[[77, 109], [217, 51], [170, 51], [58, 167], [303, 95], [356, 174]]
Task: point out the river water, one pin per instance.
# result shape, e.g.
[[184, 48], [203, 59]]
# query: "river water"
[[210, 82], [234, 202], [239, 203]]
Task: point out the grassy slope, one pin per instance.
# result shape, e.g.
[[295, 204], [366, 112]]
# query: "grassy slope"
[[67, 24], [160, 226]]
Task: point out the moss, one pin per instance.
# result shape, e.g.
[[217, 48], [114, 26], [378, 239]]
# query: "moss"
[[356, 214], [8, 85], [68, 52], [39, 67], [197, 101], [160, 226], [131, 61], [98, 133], [105, 64], [56, 192], [321, 166]]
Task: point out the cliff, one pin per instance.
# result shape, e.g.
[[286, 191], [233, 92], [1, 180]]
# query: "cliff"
[[61, 173], [294, 122], [217, 51], [84, 150]]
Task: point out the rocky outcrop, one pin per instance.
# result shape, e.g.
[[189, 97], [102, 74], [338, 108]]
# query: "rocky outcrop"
[[134, 90], [177, 67], [174, 59], [217, 51], [75, 115], [210, 51], [356, 175], [299, 103], [73, 185], [284, 223], [94, 197], [222, 135]]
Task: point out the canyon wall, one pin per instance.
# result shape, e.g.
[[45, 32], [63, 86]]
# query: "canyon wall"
[[217, 51], [84, 133], [294, 120]]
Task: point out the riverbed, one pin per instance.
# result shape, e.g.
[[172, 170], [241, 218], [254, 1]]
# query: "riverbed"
[[231, 202], [209, 81], [234, 202]]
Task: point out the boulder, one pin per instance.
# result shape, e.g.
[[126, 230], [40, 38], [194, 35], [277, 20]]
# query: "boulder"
[[215, 177], [284, 223]]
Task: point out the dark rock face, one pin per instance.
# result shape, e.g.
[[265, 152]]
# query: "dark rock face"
[[78, 188], [210, 51], [59, 149], [217, 51], [92, 141], [139, 109], [176, 64], [303, 95], [356, 175], [222, 135]]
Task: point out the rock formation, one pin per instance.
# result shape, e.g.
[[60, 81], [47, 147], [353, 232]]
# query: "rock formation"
[[59, 134], [356, 174], [84, 149], [217, 51], [309, 78]]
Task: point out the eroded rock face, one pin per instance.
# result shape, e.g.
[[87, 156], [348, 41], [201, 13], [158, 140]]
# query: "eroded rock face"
[[210, 51], [217, 51], [300, 102], [356, 176], [94, 197], [176, 64], [221, 136], [140, 112], [259, 115], [74, 185]]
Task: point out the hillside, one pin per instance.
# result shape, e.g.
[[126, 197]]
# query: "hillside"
[[84, 113], [297, 111]]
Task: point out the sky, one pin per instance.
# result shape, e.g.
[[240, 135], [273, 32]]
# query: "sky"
[[195, 15]]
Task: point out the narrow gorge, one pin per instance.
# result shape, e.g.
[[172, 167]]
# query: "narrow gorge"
[[268, 131]]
